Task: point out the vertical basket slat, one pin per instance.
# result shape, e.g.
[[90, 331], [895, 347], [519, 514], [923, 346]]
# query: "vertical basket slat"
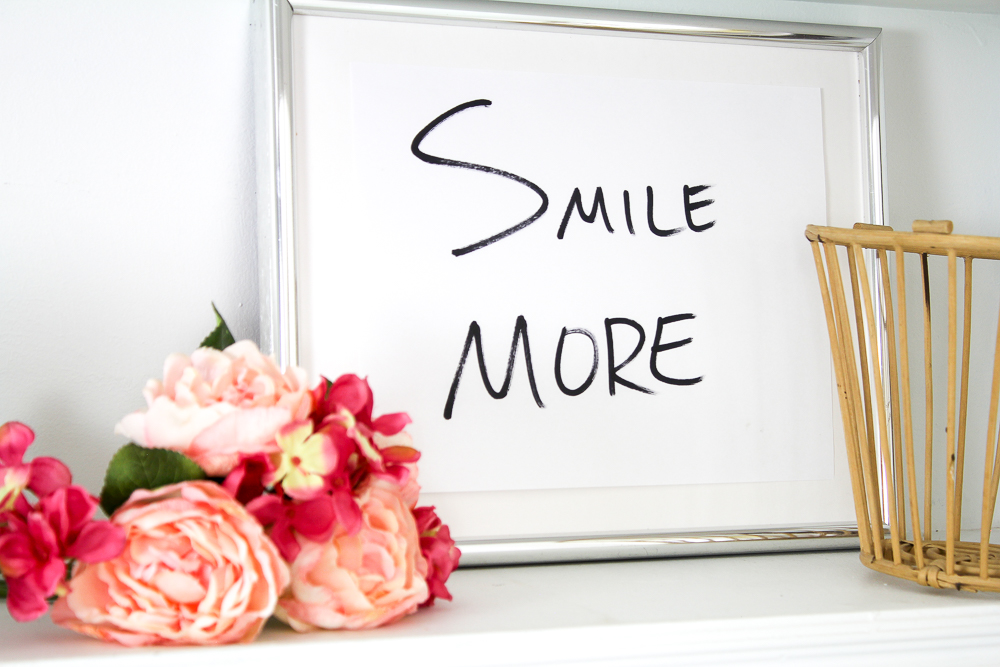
[[883, 424], [904, 350], [860, 393], [839, 363], [870, 341], [854, 422], [928, 398], [951, 511], [963, 409], [890, 335], [863, 408]]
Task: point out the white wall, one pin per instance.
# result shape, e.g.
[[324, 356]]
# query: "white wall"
[[127, 182], [126, 205]]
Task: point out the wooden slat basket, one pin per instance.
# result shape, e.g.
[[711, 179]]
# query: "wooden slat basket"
[[909, 496]]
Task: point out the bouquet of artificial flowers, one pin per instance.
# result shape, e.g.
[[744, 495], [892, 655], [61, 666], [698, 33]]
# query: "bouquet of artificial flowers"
[[243, 493]]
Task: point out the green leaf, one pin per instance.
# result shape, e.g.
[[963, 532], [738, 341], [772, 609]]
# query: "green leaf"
[[134, 467], [221, 337], [3, 589]]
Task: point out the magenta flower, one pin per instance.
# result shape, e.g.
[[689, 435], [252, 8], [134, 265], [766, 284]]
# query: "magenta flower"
[[314, 519], [438, 549], [42, 475], [343, 409], [34, 546], [246, 481], [30, 563]]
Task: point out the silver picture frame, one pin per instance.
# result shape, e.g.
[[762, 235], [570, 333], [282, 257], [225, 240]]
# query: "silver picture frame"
[[272, 21]]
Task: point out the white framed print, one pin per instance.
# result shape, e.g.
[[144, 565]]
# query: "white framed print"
[[569, 243]]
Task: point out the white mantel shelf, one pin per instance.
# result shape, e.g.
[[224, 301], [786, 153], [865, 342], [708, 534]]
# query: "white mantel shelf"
[[812, 608]]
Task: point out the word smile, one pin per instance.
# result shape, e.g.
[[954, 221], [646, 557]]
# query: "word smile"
[[576, 199]]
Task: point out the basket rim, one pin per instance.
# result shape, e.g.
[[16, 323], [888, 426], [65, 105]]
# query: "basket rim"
[[869, 236]]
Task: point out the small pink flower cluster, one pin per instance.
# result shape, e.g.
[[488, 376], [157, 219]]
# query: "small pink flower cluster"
[[36, 540], [314, 518]]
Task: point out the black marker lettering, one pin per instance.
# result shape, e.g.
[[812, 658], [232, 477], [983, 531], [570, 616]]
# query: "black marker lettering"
[[663, 347], [689, 206], [520, 331], [628, 212], [613, 368], [576, 202], [649, 216], [559, 350], [431, 159]]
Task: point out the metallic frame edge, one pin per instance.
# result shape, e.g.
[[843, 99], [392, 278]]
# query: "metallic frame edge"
[[262, 58], [486, 553], [275, 177], [519, 14]]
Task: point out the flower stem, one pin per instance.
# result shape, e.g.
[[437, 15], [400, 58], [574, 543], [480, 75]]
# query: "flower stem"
[[3, 589]]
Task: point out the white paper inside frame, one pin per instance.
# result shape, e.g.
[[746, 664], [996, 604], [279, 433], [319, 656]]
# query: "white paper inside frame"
[[738, 430]]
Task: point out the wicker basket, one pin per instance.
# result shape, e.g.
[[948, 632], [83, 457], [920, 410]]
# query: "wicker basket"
[[913, 490]]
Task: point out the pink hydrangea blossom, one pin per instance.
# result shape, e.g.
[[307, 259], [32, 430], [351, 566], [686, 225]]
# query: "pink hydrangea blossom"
[[344, 409], [438, 549], [246, 481], [314, 519], [35, 544], [41, 476]]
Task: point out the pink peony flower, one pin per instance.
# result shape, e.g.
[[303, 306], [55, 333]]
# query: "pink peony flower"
[[438, 549], [196, 569], [42, 476], [34, 545], [216, 406], [363, 580]]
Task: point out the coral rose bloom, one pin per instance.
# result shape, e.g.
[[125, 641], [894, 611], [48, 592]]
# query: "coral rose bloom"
[[215, 406], [197, 569], [362, 580]]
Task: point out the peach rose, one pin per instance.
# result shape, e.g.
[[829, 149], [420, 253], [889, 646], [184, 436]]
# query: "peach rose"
[[197, 569], [362, 580], [215, 406]]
